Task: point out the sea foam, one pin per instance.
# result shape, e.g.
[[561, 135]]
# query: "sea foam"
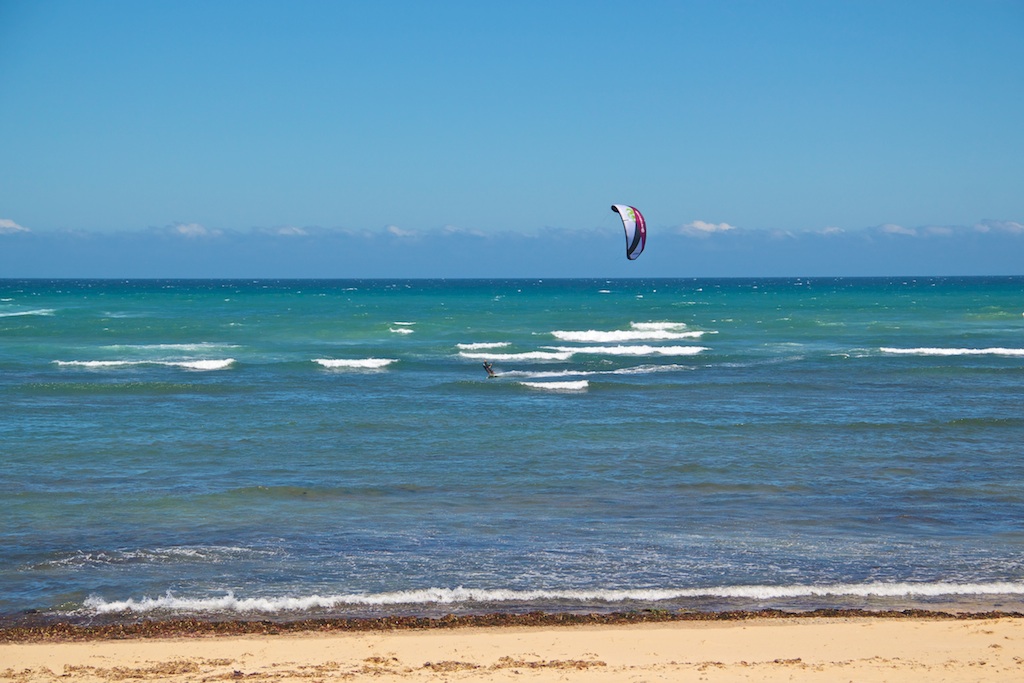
[[482, 345], [35, 311], [636, 350], [213, 364], [355, 363], [927, 351], [229, 602], [601, 336], [578, 385], [643, 331], [562, 355]]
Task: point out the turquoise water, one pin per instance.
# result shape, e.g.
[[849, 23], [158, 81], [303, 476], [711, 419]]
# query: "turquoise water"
[[310, 448]]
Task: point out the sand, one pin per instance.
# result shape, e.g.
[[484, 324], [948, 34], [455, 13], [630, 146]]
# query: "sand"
[[862, 649]]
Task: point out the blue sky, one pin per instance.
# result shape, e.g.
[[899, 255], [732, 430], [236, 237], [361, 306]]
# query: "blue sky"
[[467, 139]]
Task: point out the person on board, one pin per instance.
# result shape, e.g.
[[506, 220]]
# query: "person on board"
[[490, 372]]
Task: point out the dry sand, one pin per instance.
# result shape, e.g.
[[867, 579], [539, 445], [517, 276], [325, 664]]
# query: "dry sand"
[[788, 649]]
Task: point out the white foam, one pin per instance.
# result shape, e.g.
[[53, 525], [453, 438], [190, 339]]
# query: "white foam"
[[658, 326], [926, 351], [483, 345], [527, 355], [400, 330], [203, 364], [195, 347], [215, 364], [98, 363], [564, 353], [578, 385], [445, 596], [639, 350], [601, 336], [634, 370], [355, 363], [649, 369], [36, 311]]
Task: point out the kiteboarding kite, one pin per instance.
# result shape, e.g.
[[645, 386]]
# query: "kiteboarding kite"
[[635, 227]]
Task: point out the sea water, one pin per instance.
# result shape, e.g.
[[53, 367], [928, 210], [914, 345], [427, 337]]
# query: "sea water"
[[295, 449]]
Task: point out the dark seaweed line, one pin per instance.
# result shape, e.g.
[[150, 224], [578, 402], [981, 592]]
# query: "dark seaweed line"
[[186, 628]]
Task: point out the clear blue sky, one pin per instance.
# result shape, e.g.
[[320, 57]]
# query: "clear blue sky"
[[418, 139]]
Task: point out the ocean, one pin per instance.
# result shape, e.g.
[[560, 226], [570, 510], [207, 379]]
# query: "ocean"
[[266, 449]]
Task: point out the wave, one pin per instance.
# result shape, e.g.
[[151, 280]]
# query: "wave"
[[635, 370], [34, 311], [400, 330], [229, 602], [564, 353], [623, 335], [483, 345], [641, 350], [644, 331], [171, 555], [524, 356], [355, 363], [579, 385], [658, 326], [214, 364], [926, 351], [192, 347]]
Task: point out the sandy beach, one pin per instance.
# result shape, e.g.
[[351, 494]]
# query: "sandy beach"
[[755, 649]]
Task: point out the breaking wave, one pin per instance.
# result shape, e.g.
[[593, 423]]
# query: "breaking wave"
[[229, 602], [355, 363], [216, 364], [926, 351]]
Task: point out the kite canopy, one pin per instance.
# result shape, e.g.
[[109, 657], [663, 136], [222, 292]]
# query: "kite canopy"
[[635, 227]]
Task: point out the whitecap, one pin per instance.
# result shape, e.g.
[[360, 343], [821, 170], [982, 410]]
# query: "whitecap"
[[217, 364], [578, 385], [641, 350], [229, 602], [657, 326], [35, 311], [210, 364], [355, 363], [606, 336], [483, 345], [926, 351], [557, 355]]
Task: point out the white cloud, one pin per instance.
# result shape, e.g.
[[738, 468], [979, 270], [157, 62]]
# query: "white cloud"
[[398, 232], [8, 227], [194, 230], [831, 230], [1000, 226], [290, 231], [893, 229], [705, 228], [455, 230]]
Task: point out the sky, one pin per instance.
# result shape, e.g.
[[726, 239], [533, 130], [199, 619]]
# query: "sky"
[[246, 138]]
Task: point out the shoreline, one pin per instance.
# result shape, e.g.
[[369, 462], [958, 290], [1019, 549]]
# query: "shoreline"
[[764, 647]]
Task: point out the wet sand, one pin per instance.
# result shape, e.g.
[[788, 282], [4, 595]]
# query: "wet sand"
[[749, 647]]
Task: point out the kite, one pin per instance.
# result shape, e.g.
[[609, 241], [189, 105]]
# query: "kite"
[[635, 227]]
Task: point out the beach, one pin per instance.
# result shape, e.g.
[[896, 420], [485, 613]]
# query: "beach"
[[786, 648]]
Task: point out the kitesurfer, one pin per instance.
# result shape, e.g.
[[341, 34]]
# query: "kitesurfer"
[[487, 367]]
